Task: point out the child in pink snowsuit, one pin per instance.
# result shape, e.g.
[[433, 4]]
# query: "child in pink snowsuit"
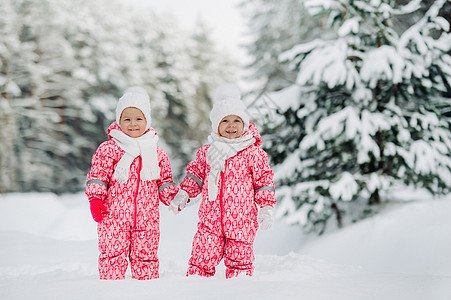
[[234, 177], [130, 174]]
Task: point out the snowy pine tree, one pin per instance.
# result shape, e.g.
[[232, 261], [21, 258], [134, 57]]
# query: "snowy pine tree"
[[9, 48], [366, 115]]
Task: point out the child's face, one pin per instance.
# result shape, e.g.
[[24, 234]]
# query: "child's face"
[[231, 127], [132, 122]]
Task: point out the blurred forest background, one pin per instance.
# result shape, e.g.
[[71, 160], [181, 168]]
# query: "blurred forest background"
[[352, 97]]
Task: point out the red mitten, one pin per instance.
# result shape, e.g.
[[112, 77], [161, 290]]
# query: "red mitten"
[[97, 207]]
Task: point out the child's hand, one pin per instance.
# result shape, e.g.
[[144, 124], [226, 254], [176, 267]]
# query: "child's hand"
[[265, 217], [179, 202], [97, 207]]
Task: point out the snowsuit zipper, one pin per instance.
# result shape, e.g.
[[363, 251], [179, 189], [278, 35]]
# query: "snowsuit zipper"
[[221, 204], [135, 196]]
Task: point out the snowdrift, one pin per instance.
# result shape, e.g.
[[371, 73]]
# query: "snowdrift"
[[48, 250]]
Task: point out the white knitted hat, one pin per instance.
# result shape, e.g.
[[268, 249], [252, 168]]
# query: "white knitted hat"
[[227, 101], [134, 97]]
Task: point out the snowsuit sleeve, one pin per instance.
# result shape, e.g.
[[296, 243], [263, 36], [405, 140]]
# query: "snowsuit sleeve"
[[262, 176], [195, 174], [102, 168], [167, 189]]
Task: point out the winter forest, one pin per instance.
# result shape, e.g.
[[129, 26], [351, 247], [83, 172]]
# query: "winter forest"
[[352, 98]]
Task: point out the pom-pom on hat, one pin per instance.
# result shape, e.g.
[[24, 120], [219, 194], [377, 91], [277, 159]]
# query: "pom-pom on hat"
[[227, 101], [134, 97]]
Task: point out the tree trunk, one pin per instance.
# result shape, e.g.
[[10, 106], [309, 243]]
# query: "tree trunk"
[[375, 198], [334, 207]]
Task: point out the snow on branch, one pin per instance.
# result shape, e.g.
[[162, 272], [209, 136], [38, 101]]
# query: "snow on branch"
[[383, 63]]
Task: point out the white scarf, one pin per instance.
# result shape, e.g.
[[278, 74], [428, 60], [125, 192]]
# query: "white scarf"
[[146, 146], [220, 149]]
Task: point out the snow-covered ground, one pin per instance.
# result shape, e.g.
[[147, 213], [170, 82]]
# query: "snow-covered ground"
[[48, 250]]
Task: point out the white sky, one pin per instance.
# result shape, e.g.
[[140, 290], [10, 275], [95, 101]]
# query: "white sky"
[[222, 17]]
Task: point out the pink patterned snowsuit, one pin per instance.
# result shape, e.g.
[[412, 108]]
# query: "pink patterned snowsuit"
[[130, 229], [228, 224]]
